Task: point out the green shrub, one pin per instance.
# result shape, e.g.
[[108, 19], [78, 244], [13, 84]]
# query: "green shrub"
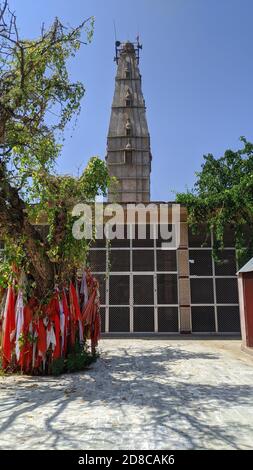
[[79, 359], [58, 366]]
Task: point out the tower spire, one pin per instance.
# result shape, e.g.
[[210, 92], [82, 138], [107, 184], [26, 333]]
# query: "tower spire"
[[128, 144]]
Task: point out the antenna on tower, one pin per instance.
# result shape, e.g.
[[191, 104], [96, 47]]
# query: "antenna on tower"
[[138, 46], [117, 43], [115, 32]]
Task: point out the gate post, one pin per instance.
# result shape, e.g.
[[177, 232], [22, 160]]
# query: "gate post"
[[242, 308], [245, 287], [184, 293]]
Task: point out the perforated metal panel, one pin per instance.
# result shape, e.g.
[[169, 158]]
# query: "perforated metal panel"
[[143, 260], [220, 288], [119, 260], [144, 319], [229, 237], [121, 243], [119, 290], [97, 260], [227, 264], [214, 297], [167, 289], [202, 238], [166, 260], [147, 282], [148, 241], [166, 234], [119, 319], [202, 291], [99, 242], [226, 290], [167, 319], [203, 319], [228, 319], [143, 289], [200, 262]]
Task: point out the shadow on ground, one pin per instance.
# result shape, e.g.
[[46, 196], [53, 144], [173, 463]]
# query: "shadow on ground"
[[166, 403]]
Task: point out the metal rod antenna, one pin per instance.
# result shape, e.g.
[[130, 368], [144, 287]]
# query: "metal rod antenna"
[[115, 32]]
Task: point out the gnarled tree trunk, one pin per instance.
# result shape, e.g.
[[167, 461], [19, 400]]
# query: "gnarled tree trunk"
[[14, 222]]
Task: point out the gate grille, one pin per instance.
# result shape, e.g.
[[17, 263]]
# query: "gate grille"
[[97, 260], [119, 319], [139, 291], [200, 262], [117, 242], [203, 319], [143, 260], [119, 290], [214, 293], [228, 319], [227, 264], [200, 239], [226, 290], [166, 233], [119, 260], [148, 242], [166, 260], [143, 287], [167, 289], [202, 291], [167, 319], [143, 319]]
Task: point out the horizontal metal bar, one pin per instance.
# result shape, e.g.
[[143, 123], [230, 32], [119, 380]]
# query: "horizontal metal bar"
[[141, 305], [135, 273], [140, 333], [212, 305], [134, 248], [216, 333], [195, 276]]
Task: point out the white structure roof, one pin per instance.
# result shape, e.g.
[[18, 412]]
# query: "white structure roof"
[[247, 268]]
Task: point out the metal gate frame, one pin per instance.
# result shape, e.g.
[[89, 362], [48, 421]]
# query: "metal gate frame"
[[131, 275], [213, 277]]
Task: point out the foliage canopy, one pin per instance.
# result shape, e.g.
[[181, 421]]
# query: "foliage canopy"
[[222, 197], [38, 100]]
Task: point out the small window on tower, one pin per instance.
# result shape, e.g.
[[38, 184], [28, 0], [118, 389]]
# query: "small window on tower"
[[128, 74], [128, 157], [129, 102], [128, 131]]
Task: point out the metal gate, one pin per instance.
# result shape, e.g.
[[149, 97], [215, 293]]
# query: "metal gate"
[[214, 292], [138, 284]]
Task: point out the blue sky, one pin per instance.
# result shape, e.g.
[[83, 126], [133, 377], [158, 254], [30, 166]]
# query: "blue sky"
[[197, 71]]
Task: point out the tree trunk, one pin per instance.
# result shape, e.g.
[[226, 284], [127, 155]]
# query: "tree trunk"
[[42, 268], [15, 224]]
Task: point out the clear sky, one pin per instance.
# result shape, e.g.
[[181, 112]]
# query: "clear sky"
[[197, 69]]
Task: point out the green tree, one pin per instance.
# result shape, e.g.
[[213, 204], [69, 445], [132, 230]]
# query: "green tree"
[[223, 197], [37, 101]]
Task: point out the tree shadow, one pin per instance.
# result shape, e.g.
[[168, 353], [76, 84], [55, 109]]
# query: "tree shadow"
[[132, 399]]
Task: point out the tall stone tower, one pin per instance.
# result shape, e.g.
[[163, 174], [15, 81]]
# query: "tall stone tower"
[[128, 144]]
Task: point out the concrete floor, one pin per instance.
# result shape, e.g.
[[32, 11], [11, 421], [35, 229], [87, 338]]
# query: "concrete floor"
[[141, 394]]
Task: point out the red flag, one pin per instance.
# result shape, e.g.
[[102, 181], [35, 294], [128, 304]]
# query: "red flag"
[[73, 296], [9, 326]]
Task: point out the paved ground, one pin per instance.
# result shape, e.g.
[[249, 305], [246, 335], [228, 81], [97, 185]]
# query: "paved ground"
[[141, 394]]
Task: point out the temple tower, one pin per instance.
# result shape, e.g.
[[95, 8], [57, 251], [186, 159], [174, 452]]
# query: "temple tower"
[[128, 144]]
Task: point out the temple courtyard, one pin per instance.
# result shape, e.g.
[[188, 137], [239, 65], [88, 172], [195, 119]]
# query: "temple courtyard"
[[141, 394]]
